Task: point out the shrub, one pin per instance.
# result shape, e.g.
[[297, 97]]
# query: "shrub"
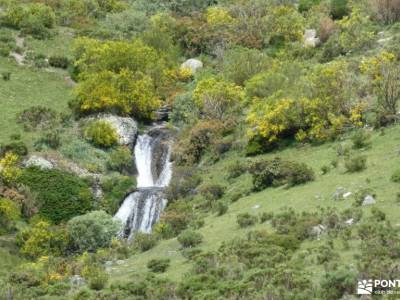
[[6, 76], [360, 139], [184, 110], [92, 231], [377, 214], [190, 238], [5, 50], [9, 171], [17, 147], [246, 220], [221, 208], [339, 8], [96, 277], [120, 160], [37, 118], [212, 191], [61, 62], [190, 253], [396, 176], [144, 241], [236, 169], [49, 139], [266, 216], [184, 182], [158, 265], [355, 163], [115, 188], [278, 172], [9, 214], [101, 133], [61, 195]]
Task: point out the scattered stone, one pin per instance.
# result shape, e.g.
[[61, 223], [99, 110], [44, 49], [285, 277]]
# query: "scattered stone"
[[339, 194], [77, 280], [369, 200], [310, 39], [69, 81], [37, 161], [347, 195], [257, 206], [120, 262], [193, 64], [108, 263], [349, 222], [318, 230]]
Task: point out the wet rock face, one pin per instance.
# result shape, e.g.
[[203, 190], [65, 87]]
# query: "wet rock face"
[[160, 150]]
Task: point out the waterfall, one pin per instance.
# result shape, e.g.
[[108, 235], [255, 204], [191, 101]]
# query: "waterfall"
[[142, 209]]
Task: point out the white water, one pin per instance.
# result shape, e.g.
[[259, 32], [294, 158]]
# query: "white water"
[[142, 209]]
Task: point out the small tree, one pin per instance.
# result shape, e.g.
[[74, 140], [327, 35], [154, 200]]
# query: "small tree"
[[92, 231]]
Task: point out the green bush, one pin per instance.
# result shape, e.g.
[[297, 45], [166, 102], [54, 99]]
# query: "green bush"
[[37, 118], [184, 110], [96, 276], [144, 241], [17, 147], [190, 253], [121, 160], [278, 172], [236, 169], [190, 238], [360, 139], [305, 5], [396, 176], [5, 49], [339, 8], [184, 182], [266, 216], [92, 231], [221, 208], [101, 133], [355, 163], [61, 62], [61, 195], [246, 220], [49, 139], [158, 265], [9, 214], [212, 191]]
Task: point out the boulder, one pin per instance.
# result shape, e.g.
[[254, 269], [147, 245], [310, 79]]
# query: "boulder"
[[349, 222], [193, 64], [310, 39], [126, 128], [318, 230], [368, 200], [37, 161]]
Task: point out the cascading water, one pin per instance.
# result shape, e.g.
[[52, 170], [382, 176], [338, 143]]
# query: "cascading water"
[[142, 209]]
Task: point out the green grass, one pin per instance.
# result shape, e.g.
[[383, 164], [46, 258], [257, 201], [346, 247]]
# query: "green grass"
[[29, 87], [383, 160]]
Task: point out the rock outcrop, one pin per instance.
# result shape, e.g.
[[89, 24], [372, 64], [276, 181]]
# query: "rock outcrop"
[[310, 38], [193, 64], [38, 161]]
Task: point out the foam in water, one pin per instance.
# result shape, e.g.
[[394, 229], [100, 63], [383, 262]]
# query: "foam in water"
[[142, 209]]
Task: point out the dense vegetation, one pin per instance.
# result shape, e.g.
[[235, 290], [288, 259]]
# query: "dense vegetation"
[[286, 172]]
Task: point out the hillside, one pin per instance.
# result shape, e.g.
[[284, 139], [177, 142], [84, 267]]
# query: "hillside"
[[208, 149]]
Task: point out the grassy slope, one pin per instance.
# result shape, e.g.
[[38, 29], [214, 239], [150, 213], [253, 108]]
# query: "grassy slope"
[[28, 87], [383, 159]]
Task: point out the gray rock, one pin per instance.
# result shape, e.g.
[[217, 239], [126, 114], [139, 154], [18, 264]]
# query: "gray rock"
[[120, 262], [310, 39], [347, 195], [318, 230], [257, 206], [126, 128], [37, 161], [349, 222], [77, 280], [193, 64], [369, 200]]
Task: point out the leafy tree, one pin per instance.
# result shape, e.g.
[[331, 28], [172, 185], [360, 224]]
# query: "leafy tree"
[[92, 231], [217, 99], [124, 93]]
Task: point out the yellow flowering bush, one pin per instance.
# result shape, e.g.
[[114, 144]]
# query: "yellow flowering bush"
[[9, 170]]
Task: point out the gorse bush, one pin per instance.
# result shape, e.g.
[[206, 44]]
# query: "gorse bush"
[[355, 163], [144, 242], [211, 191], [59, 62], [61, 195], [278, 172], [9, 214], [101, 133], [190, 238], [158, 265], [37, 118], [246, 220]]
